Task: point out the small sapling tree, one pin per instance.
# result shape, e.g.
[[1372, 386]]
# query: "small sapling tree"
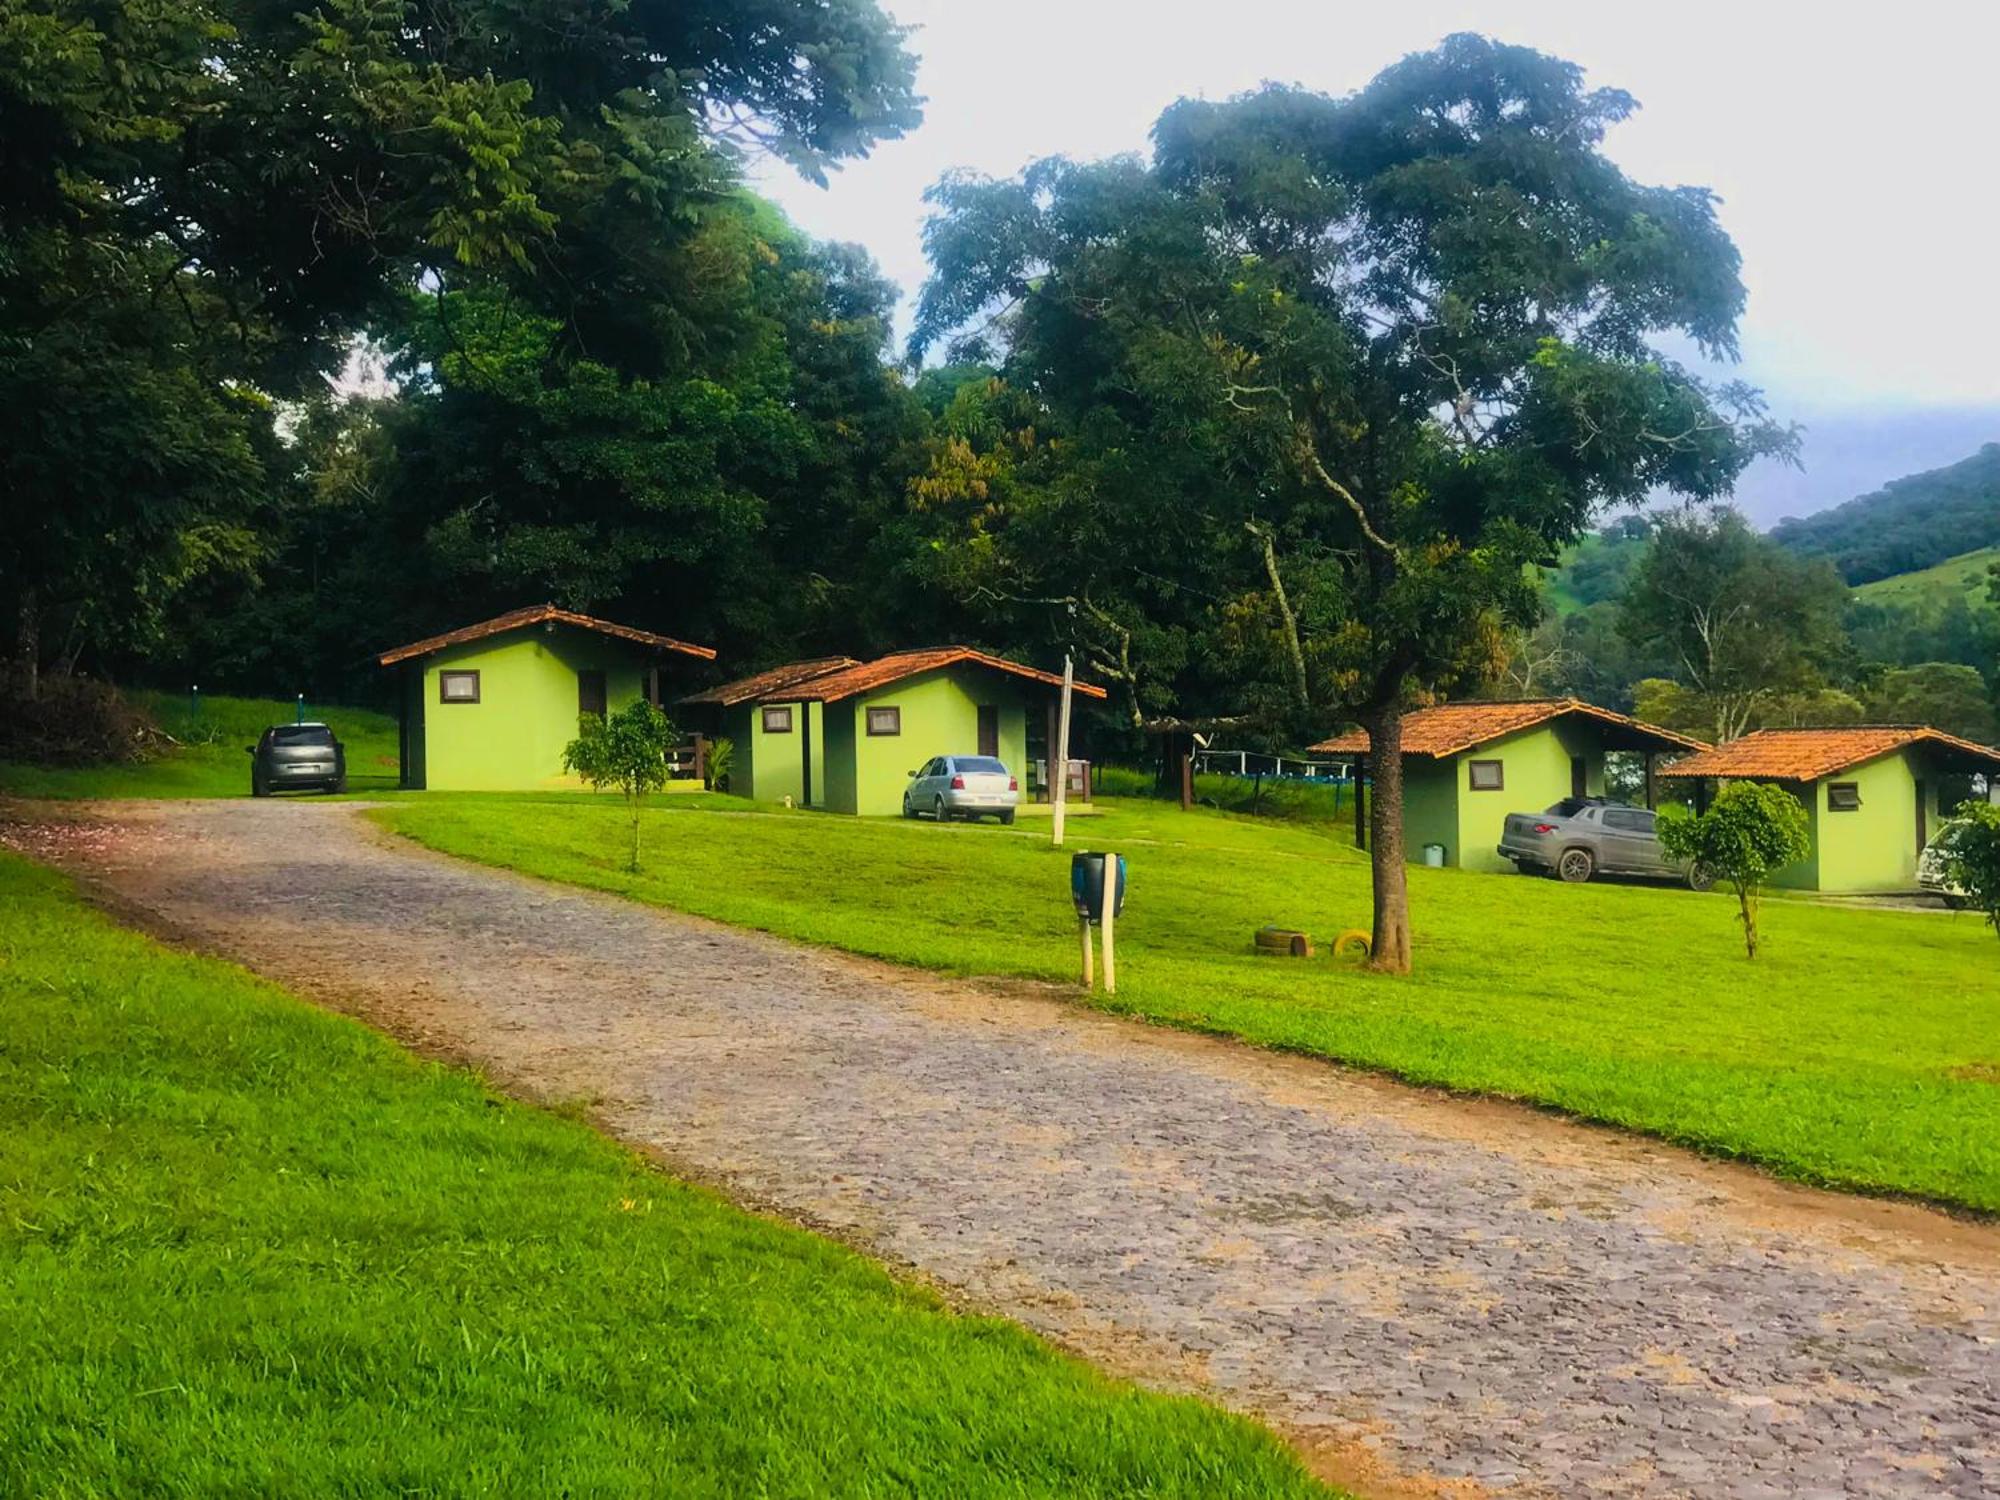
[[1751, 830], [628, 751], [1972, 859]]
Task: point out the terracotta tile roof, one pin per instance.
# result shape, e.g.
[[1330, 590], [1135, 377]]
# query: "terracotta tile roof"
[[536, 614], [764, 684], [866, 676], [1452, 728], [1808, 754]]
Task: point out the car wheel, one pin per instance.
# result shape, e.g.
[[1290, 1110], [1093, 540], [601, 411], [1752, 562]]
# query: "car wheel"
[[1700, 879], [258, 788], [337, 786], [908, 811], [1007, 818], [1575, 866], [938, 814]]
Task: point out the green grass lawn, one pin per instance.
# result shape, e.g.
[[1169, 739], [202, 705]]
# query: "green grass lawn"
[[1861, 1050], [209, 760], [250, 1248]]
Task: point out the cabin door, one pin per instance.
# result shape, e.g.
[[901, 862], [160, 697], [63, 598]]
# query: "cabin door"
[[989, 730], [590, 695]]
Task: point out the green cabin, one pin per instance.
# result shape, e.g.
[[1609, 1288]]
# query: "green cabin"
[[490, 707], [1467, 765], [1874, 795], [844, 735]]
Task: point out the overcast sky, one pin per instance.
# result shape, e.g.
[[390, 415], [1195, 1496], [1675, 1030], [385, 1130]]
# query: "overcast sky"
[[1855, 159]]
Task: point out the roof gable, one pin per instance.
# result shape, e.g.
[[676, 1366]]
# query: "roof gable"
[[1809, 754], [538, 614], [900, 666], [1452, 728]]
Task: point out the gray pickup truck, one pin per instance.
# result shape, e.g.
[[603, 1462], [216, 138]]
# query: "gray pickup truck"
[[1584, 836]]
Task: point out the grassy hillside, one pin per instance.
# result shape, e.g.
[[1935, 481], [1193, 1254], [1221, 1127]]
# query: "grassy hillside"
[[1965, 575], [1855, 1051], [208, 758], [1910, 525], [251, 1248]]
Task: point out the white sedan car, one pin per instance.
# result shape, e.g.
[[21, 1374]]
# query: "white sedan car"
[[962, 786]]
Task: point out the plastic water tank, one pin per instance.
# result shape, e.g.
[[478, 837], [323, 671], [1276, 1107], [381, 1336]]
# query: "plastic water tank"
[[1434, 856]]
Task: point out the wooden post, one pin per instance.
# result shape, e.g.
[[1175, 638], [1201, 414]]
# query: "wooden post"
[[805, 753], [1187, 782], [1083, 931], [1059, 771], [1652, 780], [1049, 749], [1110, 911], [701, 758]]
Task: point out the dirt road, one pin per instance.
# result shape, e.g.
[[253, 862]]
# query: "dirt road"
[[1429, 1295]]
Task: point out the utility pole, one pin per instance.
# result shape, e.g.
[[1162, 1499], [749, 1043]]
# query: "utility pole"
[[1059, 760]]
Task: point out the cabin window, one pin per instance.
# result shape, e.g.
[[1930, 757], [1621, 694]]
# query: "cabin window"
[[778, 720], [458, 687], [1487, 775], [885, 721], [1843, 796]]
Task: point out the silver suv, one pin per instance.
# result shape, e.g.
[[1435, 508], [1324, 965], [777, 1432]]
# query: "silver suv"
[[1584, 836]]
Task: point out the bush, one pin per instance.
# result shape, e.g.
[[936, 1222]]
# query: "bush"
[[627, 751], [721, 753], [70, 721], [1751, 830], [1972, 858]]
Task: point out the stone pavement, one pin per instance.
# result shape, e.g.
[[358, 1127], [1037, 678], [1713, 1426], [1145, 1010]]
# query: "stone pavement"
[[1427, 1295]]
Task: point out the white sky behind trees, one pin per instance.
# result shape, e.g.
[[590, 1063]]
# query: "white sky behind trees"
[[1854, 149]]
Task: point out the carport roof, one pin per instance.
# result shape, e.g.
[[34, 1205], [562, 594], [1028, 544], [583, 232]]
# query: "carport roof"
[[775, 680], [1808, 754], [1452, 728], [538, 614], [852, 677]]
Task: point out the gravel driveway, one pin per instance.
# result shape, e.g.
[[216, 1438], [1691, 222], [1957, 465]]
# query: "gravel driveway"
[[1430, 1296]]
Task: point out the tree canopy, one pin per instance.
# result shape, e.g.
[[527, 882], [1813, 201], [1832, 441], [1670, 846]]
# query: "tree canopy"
[[1288, 412]]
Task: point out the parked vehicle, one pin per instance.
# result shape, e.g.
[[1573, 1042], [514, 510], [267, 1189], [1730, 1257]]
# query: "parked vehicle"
[[962, 786], [1581, 837], [288, 757], [1931, 875]]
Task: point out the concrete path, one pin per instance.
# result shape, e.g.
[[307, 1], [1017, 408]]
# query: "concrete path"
[[1429, 1296]]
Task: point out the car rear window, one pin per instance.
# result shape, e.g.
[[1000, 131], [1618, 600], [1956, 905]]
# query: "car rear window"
[[980, 763], [302, 734], [1569, 807]]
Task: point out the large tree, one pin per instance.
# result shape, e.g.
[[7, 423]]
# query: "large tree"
[[1745, 623], [201, 201], [1313, 387]]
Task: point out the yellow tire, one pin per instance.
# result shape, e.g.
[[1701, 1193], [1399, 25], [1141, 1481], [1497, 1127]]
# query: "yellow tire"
[[1354, 940]]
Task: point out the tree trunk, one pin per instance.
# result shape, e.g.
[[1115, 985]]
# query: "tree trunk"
[[635, 834], [1391, 947], [28, 642], [1746, 898]]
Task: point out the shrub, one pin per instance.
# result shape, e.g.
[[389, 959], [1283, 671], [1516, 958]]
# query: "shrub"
[[721, 751], [1972, 858], [70, 721], [628, 751], [1751, 830]]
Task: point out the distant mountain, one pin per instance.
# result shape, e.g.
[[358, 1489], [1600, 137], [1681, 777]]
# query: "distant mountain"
[[1909, 524]]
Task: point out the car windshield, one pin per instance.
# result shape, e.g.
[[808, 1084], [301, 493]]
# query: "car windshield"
[[980, 763], [302, 734]]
